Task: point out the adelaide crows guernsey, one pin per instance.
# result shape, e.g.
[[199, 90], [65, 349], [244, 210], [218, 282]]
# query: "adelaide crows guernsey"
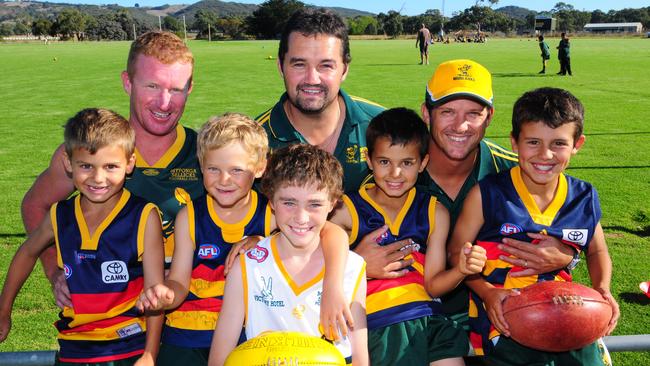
[[105, 276], [391, 301], [510, 211], [273, 301], [192, 323], [170, 182]]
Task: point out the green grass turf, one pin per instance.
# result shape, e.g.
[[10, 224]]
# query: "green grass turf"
[[610, 77]]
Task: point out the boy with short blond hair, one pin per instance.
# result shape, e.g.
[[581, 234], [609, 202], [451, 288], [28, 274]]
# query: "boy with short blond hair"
[[535, 197], [232, 151], [397, 152], [109, 245], [302, 184]]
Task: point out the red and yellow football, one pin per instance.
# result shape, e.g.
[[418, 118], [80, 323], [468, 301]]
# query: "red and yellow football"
[[557, 316]]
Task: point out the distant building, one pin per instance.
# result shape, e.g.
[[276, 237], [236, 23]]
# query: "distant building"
[[545, 23], [613, 27]]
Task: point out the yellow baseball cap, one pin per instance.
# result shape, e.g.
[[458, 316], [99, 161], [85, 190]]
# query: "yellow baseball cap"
[[459, 79]]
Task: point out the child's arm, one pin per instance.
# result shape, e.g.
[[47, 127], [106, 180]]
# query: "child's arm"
[[173, 291], [359, 335], [335, 316], [600, 272], [437, 278], [467, 227], [21, 267], [153, 259], [231, 317]]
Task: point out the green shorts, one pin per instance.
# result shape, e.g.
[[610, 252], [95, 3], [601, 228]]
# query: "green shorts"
[[123, 362], [510, 353], [405, 343], [170, 355]]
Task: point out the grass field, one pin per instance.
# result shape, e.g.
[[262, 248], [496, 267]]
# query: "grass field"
[[40, 92]]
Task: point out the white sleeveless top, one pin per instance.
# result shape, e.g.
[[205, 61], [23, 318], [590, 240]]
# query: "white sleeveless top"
[[274, 302]]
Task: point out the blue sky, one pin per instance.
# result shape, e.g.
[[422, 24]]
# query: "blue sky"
[[407, 7]]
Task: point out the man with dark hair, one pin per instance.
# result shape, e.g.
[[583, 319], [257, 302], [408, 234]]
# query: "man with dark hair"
[[314, 59]]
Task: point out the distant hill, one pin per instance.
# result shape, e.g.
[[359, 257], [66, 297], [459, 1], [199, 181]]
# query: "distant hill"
[[11, 10], [515, 12]]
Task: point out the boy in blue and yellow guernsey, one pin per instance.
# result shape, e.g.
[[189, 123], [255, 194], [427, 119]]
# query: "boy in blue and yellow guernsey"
[[405, 324], [232, 153], [109, 245], [535, 197]]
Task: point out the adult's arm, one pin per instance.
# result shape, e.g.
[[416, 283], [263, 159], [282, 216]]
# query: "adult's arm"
[[52, 185]]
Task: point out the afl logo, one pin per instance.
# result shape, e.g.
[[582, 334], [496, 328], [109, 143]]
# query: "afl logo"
[[258, 254], [67, 271], [509, 229], [208, 251], [114, 272]]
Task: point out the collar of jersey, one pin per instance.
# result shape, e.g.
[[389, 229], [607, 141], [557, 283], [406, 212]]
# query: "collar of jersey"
[[542, 218], [89, 242], [168, 156], [393, 226]]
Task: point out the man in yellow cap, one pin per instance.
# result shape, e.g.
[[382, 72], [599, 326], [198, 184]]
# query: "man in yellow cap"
[[458, 107]]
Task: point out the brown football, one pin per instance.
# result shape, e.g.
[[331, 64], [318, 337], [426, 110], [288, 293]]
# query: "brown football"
[[557, 316]]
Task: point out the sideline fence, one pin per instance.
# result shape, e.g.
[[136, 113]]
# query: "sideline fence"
[[625, 343]]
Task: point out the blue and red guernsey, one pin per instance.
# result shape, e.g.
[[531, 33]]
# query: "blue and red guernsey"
[[105, 276], [391, 301], [510, 211], [192, 324]]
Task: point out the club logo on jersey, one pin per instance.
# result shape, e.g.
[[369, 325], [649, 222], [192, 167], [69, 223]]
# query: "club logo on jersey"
[[114, 272], [150, 172], [208, 251], [509, 229], [578, 236], [258, 254], [81, 256], [385, 238], [67, 271]]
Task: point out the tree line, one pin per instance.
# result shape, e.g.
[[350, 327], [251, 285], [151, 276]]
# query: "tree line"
[[267, 21]]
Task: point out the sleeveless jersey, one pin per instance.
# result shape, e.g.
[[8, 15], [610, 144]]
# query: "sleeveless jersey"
[[391, 301], [510, 211], [105, 276], [169, 183], [274, 302], [192, 323]]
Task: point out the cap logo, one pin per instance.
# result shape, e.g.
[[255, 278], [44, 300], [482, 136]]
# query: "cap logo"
[[464, 73]]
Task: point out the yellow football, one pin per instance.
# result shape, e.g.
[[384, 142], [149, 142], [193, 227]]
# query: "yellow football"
[[287, 349]]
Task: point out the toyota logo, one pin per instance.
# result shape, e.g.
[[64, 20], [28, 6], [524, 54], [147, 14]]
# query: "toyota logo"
[[114, 268], [575, 235]]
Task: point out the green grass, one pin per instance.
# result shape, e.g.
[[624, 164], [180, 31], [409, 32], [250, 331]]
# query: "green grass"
[[610, 77]]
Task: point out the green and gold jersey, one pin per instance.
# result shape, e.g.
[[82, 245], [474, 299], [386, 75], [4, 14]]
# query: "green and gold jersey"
[[170, 182], [351, 145], [492, 159]]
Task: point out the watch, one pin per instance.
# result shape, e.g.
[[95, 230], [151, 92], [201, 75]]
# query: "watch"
[[574, 262]]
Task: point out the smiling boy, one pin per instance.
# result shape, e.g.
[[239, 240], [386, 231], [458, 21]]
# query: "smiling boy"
[[109, 245], [283, 275]]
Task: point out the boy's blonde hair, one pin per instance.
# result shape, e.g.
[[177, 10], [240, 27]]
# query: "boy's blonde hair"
[[301, 165], [166, 47], [95, 128], [220, 131]]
